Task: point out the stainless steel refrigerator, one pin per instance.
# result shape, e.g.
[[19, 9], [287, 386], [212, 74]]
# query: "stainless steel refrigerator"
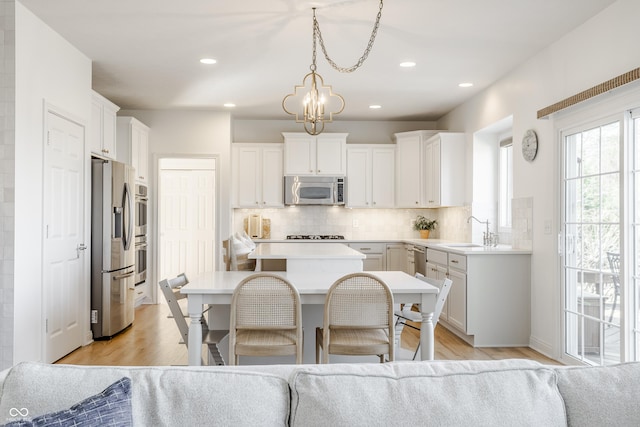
[[112, 247]]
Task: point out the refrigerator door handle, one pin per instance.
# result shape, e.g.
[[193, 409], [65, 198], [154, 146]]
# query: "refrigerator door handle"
[[124, 276], [128, 234]]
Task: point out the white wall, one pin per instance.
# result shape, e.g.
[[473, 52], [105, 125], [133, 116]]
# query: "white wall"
[[48, 69], [360, 132], [602, 48], [7, 181]]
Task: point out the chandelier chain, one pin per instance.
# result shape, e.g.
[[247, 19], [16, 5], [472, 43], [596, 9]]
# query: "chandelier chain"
[[318, 35]]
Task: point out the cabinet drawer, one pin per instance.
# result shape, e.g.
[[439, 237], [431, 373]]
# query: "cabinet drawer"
[[437, 257], [459, 262], [369, 248]]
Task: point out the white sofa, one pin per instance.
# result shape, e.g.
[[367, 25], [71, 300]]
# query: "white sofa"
[[443, 393]]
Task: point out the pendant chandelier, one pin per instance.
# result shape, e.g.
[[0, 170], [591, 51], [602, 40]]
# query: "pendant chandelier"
[[313, 103]]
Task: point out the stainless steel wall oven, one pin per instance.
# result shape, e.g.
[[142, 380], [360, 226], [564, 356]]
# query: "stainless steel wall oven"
[[141, 218], [141, 259], [141, 210]]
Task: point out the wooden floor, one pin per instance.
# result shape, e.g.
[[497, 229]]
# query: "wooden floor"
[[153, 340]]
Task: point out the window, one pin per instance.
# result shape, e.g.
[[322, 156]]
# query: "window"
[[506, 184]]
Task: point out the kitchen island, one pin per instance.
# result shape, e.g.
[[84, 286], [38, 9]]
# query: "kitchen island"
[[311, 257]]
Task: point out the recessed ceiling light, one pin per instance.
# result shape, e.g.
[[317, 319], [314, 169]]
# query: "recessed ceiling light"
[[466, 84], [375, 107], [229, 105], [408, 64], [208, 61]]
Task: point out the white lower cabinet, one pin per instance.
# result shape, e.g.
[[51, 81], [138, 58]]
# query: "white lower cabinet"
[[396, 257], [457, 299], [142, 290], [376, 256], [437, 269], [489, 301], [410, 257]]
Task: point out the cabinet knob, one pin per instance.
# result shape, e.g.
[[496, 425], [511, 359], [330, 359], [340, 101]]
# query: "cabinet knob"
[[257, 203], [311, 170], [318, 170], [416, 203]]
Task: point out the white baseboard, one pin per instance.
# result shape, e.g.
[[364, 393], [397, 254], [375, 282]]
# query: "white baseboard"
[[541, 347]]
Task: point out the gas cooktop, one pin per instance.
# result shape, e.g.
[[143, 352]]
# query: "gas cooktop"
[[315, 237]]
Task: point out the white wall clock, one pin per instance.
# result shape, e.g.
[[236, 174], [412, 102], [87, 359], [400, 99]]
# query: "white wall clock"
[[529, 145]]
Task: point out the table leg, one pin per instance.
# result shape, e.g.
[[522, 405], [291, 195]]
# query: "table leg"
[[194, 306], [427, 340]]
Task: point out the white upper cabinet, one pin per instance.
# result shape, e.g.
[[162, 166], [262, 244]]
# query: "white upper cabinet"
[[410, 148], [133, 146], [445, 170], [370, 176], [257, 175], [323, 154], [102, 132]]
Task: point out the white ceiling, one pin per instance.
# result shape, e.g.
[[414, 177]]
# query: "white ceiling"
[[146, 52]]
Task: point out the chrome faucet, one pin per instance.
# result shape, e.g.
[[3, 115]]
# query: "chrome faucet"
[[488, 238]]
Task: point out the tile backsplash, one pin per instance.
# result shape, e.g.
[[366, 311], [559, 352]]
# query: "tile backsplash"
[[522, 222], [359, 224]]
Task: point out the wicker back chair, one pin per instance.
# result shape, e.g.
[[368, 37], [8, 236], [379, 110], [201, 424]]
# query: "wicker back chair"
[[171, 291], [358, 318], [266, 318]]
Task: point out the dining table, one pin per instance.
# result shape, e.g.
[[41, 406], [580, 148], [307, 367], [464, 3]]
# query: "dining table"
[[215, 288]]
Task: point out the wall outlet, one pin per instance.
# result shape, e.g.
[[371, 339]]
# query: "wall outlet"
[[355, 223], [94, 316]]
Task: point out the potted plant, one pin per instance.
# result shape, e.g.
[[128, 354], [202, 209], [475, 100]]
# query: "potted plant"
[[424, 225]]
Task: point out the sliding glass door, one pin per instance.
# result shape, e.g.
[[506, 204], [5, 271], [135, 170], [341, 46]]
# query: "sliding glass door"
[[633, 271], [591, 241]]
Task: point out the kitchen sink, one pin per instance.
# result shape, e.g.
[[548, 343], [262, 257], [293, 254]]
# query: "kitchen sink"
[[463, 245]]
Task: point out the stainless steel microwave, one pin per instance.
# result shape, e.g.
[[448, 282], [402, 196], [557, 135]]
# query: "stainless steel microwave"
[[315, 190]]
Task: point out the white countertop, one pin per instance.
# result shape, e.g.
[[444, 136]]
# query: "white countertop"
[[443, 245], [306, 250]]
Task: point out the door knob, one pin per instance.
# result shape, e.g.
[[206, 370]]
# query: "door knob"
[[80, 247]]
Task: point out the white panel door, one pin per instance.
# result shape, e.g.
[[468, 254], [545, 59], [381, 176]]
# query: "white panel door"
[[63, 236], [202, 247], [187, 222]]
